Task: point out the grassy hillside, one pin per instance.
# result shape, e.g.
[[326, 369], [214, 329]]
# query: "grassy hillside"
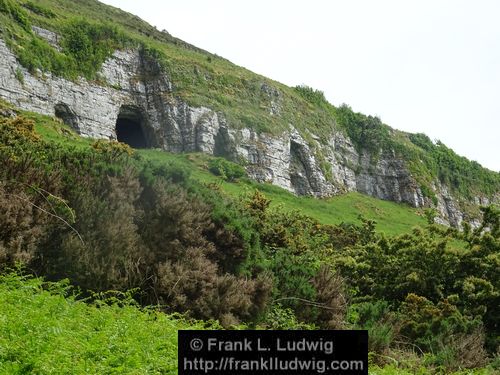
[[91, 31]]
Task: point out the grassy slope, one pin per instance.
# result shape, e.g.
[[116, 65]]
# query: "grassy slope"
[[392, 218]]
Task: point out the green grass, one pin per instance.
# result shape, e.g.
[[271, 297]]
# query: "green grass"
[[43, 330], [391, 218]]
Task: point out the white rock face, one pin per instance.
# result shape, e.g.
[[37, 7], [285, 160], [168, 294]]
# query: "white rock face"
[[138, 89], [94, 108], [50, 37]]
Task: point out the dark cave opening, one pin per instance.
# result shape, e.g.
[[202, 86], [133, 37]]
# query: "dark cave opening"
[[64, 112], [129, 128]]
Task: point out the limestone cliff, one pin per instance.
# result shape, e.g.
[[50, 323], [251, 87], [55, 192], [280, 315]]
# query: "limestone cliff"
[[133, 87]]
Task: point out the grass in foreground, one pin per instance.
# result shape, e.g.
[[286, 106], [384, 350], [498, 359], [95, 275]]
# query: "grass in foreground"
[[43, 330]]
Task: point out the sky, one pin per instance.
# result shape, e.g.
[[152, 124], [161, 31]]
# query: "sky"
[[422, 66]]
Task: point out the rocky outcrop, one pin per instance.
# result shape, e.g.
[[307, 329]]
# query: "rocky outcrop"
[[137, 90]]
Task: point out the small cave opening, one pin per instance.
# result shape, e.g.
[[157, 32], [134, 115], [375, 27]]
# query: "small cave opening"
[[63, 111], [129, 128], [222, 144]]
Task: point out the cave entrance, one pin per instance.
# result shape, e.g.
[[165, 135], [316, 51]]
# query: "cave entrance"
[[66, 114], [129, 127]]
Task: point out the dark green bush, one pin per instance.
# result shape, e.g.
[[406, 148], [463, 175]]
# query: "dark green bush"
[[456, 340], [366, 132], [229, 171], [313, 96], [376, 317]]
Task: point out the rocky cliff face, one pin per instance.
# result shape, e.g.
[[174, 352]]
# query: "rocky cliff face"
[[138, 91]]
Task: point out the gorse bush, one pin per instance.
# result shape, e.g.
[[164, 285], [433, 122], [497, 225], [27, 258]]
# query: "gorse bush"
[[377, 318], [120, 227]]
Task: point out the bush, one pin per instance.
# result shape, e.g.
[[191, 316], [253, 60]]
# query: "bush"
[[311, 95], [229, 171], [441, 329], [366, 132], [279, 317], [375, 317], [90, 44], [19, 75], [12, 9]]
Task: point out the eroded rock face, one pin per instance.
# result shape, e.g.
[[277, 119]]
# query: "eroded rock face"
[[138, 89]]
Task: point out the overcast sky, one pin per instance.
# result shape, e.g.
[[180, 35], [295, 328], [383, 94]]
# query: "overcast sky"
[[421, 66]]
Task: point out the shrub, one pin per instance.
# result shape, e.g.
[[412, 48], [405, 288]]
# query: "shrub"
[[279, 317], [90, 44], [194, 284], [12, 9], [440, 328], [331, 298], [229, 171], [19, 75], [366, 132], [311, 95], [23, 226], [108, 253], [375, 317]]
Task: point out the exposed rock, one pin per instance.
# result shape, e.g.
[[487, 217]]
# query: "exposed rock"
[[447, 208], [274, 98], [49, 36], [306, 176]]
